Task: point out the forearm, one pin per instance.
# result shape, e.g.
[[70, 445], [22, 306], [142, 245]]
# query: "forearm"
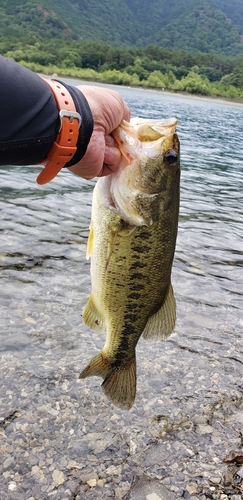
[[29, 117]]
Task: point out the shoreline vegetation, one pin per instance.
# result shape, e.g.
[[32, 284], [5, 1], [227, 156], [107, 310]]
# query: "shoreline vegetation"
[[191, 85], [157, 68]]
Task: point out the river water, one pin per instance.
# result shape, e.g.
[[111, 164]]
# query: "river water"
[[57, 429]]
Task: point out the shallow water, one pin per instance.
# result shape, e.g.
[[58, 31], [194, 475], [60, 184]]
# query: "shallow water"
[[44, 345]]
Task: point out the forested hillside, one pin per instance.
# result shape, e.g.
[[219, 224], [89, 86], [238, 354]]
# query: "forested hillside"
[[194, 25], [193, 46], [233, 10]]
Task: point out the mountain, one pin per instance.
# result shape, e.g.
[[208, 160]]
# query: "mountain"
[[233, 10], [193, 25]]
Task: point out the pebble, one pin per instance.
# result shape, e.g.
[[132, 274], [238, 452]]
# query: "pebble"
[[12, 486], [72, 465], [240, 472], [38, 473], [92, 482], [54, 437], [58, 478], [89, 477], [114, 470], [192, 489], [8, 462], [204, 429], [101, 482], [215, 480], [153, 496]]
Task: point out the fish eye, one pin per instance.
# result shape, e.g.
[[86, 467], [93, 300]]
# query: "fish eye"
[[171, 156]]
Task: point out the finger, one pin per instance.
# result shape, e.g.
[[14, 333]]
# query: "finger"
[[127, 113], [110, 141], [112, 158]]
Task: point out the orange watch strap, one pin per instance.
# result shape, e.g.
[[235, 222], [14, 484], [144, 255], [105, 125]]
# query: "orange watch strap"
[[65, 146]]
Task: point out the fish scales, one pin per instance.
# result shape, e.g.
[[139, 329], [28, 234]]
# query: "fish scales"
[[131, 257]]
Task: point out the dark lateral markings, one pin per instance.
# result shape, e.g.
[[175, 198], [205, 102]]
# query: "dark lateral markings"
[[136, 286], [134, 295], [143, 234], [137, 276], [141, 249], [138, 265]]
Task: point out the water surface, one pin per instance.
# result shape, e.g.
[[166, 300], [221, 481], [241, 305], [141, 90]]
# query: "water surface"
[[44, 345]]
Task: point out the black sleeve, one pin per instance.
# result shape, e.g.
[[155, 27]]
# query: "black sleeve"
[[29, 117]]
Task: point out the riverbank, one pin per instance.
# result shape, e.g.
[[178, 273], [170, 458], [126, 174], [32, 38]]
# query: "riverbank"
[[232, 100]]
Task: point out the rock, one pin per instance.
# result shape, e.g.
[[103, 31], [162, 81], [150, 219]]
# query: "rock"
[[114, 470], [145, 487], [89, 476], [38, 473], [204, 429], [58, 477], [240, 472], [121, 492], [92, 482], [72, 465], [12, 486], [192, 489], [234, 457], [228, 479], [101, 482], [153, 496], [53, 412], [215, 480], [30, 320], [8, 462]]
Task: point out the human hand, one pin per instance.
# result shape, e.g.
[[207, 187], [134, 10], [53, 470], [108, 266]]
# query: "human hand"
[[102, 156]]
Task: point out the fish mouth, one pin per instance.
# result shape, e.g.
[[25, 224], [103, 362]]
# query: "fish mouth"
[[149, 150], [140, 134]]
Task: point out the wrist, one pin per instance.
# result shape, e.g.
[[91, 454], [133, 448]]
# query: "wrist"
[[72, 139]]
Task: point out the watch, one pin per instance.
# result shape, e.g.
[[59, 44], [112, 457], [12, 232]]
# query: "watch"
[[65, 145]]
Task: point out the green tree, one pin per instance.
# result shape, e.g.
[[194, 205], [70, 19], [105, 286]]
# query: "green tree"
[[195, 84]]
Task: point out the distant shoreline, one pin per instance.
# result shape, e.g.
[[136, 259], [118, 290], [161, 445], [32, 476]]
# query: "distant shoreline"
[[231, 100]]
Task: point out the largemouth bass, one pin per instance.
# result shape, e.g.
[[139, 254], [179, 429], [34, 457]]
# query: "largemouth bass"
[[131, 244]]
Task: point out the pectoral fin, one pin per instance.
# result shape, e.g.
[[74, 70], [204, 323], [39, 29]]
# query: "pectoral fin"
[[90, 242], [122, 229], [162, 323], [92, 317]]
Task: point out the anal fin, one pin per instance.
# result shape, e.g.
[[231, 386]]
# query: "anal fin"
[[99, 366], [162, 323]]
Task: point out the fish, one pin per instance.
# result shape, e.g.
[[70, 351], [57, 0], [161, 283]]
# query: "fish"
[[131, 244]]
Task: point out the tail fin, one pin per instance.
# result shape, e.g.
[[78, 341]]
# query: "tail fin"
[[119, 384]]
